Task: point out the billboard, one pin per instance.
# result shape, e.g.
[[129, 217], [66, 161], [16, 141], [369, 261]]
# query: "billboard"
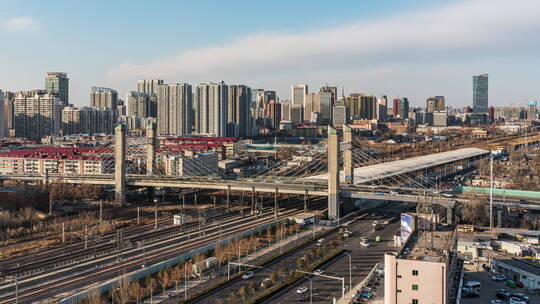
[[406, 227]]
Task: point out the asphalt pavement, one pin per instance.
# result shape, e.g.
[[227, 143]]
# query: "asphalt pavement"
[[363, 260], [324, 289]]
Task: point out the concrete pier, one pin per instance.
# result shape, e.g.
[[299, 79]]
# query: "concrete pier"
[[333, 173], [120, 164]]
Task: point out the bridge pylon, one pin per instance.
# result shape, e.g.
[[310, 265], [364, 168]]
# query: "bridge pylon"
[[348, 169], [151, 144], [333, 173], [120, 164]]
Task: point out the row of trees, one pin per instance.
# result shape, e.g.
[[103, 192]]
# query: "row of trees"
[[253, 289], [236, 248]]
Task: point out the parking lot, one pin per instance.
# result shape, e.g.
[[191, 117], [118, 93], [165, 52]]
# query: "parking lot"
[[489, 287]]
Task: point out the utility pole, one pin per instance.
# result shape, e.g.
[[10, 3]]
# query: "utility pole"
[[63, 233], [155, 214], [100, 211], [491, 192], [305, 201], [138, 214], [275, 204], [85, 237]]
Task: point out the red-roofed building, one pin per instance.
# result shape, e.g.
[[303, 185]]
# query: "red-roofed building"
[[231, 144], [62, 160]]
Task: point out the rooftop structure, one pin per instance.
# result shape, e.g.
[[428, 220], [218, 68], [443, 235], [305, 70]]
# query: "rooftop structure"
[[385, 170], [425, 271]]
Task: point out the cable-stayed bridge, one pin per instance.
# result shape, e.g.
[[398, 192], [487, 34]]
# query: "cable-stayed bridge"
[[345, 168]]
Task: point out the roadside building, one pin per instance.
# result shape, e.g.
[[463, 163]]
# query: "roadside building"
[[518, 270], [426, 271]]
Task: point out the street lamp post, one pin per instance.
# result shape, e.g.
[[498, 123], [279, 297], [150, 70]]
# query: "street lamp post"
[[350, 270], [310, 290]]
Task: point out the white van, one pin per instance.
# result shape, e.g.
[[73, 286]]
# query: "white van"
[[472, 285]]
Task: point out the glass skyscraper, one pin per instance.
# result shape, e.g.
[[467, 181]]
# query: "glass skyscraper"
[[58, 83], [480, 93]]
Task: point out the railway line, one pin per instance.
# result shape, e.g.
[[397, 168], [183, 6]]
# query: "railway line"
[[43, 260], [107, 267]]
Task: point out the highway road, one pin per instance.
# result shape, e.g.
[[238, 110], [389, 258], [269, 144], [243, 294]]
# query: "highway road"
[[363, 260]]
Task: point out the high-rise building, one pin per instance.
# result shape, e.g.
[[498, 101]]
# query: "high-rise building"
[[3, 124], [404, 108], [309, 105], [58, 83], [396, 103], [272, 109], [174, 109], [270, 95], [103, 98], [148, 86], [141, 104], [121, 108], [531, 109], [257, 98], [361, 106], [286, 110], [36, 114], [299, 91], [71, 121], [296, 114], [440, 119], [382, 108], [238, 115], [9, 99], [480, 93], [435, 104], [340, 116], [211, 109]]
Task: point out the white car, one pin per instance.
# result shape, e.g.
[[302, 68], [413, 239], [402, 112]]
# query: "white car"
[[247, 275], [302, 290], [318, 272], [514, 300], [364, 243]]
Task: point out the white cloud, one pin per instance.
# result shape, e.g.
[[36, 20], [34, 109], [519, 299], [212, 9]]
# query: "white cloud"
[[462, 32], [21, 24]]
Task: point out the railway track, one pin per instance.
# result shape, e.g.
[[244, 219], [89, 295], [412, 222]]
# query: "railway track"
[[46, 260], [189, 242], [167, 249]]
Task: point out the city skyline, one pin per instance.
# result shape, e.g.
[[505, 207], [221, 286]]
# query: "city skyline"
[[419, 66]]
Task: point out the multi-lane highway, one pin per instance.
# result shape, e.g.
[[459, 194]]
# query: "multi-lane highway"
[[363, 260]]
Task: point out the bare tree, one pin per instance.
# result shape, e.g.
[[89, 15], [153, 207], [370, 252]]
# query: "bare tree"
[[243, 291], [474, 210], [137, 291], [123, 291], [95, 298], [164, 279]]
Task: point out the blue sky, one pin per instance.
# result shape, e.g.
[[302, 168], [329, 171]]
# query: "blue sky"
[[412, 48]]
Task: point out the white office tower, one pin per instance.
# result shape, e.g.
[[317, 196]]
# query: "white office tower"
[[211, 109], [175, 106], [299, 92]]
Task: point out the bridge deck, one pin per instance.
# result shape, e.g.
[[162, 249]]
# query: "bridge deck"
[[386, 170]]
